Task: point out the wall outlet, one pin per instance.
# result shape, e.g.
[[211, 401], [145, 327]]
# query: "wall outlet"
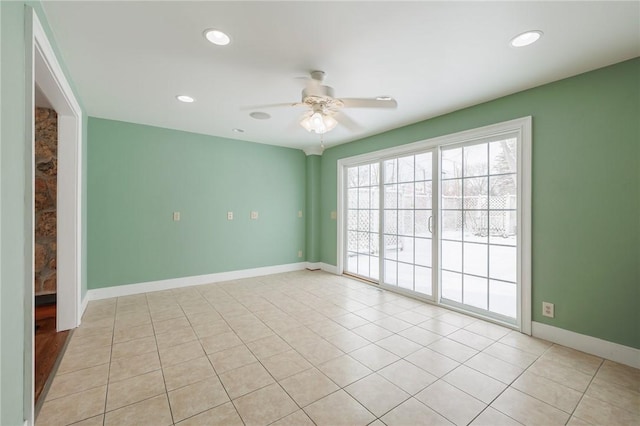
[[229, 215], [334, 215], [299, 213], [299, 253], [176, 216], [254, 215], [547, 309]]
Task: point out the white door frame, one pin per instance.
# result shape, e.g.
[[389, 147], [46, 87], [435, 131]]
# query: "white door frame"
[[43, 66]]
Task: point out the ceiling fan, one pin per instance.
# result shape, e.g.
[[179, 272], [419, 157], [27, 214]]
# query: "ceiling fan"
[[324, 109]]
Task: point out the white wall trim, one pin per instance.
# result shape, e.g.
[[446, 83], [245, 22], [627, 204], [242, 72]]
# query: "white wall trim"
[[144, 287], [329, 268], [591, 345], [314, 266]]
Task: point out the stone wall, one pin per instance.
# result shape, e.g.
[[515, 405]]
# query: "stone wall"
[[46, 171]]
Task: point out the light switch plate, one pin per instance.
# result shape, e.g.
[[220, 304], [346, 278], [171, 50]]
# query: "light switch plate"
[[176, 216], [229, 215], [254, 215], [334, 215], [299, 213]]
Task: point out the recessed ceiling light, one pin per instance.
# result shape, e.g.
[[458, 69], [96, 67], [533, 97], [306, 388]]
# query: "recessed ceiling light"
[[185, 98], [237, 130], [217, 37], [526, 39], [383, 98], [259, 115]]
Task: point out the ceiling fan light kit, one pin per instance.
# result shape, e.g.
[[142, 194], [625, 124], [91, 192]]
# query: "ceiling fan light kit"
[[318, 122]]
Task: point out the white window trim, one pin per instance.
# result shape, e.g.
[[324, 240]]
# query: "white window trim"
[[521, 126]]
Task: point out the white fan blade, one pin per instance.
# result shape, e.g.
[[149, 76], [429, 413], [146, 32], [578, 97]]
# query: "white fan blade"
[[347, 122], [284, 104], [369, 103]]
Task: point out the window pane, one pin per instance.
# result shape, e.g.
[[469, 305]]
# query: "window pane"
[[405, 251], [364, 175], [503, 227], [363, 198], [405, 199], [503, 156], [405, 276], [502, 298], [363, 220], [390, 221], [502, 263], [391, 171], [363, 265], [475, 226], [352, 241], [475, 160], [374, 220], [405, 222], [391, 196], [423, 251], [475, 291], [424, 164], [452, 286], [374, 267], [451, 163], [352, 198], [391, 247], [390, 271], [421, 226], [373, 242], [503, 192], [405, 164], [363, 242], [423, 280], [352, 261], [374, 197], [475, 259], [375, 174], [423, 195], [452, 225], [475, 193], [452, 194], [452, 256], [352, 220], [352, 177]]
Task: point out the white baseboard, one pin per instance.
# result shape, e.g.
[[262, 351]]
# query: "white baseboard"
[[129, 289], [314, 266], [591, 345], [329, 268]]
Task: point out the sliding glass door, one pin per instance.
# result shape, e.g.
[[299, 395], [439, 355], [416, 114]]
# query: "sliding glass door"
[[443, 220]]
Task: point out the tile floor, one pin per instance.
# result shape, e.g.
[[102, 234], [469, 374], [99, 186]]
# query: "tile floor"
[[307, 348]]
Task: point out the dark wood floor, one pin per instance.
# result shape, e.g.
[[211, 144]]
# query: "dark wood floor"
[[48, 345]]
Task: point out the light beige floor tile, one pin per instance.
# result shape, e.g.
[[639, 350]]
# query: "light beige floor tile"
[[230, 359], [420, 335], [299, 418], [215, 328], [407, 376], [252, 333], [163, 326], [548, 391], [526, 343], [245, 379], [372, 332], [344, 370], [474, 383], [412, 317], [268, 346], [286, 364], [196, 398], [559, 373], [350, 321], [339, 409], [574, 421], [413, 412], [67, 410], [308, 386], [432, 362], [125, 368], [180, 353], [453, 350], [131, 319], [470, 339], [620, 374], [494, 367], [97, 325], [93, 421], [78, 381], [131, 333], [488, 330], [83, 331], [377, 394], [319, 352], [347, 341], [528, 410], [493, 417], [439, 327], [393, 324], [223, 415], [430, 310], [456, 319], [166, 314], [571, 358], [80, 343], [615, 395], [390, 308], [399, 345], [451, 403], [220, 342], [374, 357], [326, 328], [135, 389], [265, 405], [188, 372], [152, 412], [175, 337], [134, 347], [73, 361], [511, 355]]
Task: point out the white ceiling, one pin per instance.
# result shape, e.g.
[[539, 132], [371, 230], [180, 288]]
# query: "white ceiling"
[[130, 59]]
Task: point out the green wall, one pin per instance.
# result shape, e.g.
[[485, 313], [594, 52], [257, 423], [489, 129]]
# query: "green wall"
[[586, 194], [139, 175]]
